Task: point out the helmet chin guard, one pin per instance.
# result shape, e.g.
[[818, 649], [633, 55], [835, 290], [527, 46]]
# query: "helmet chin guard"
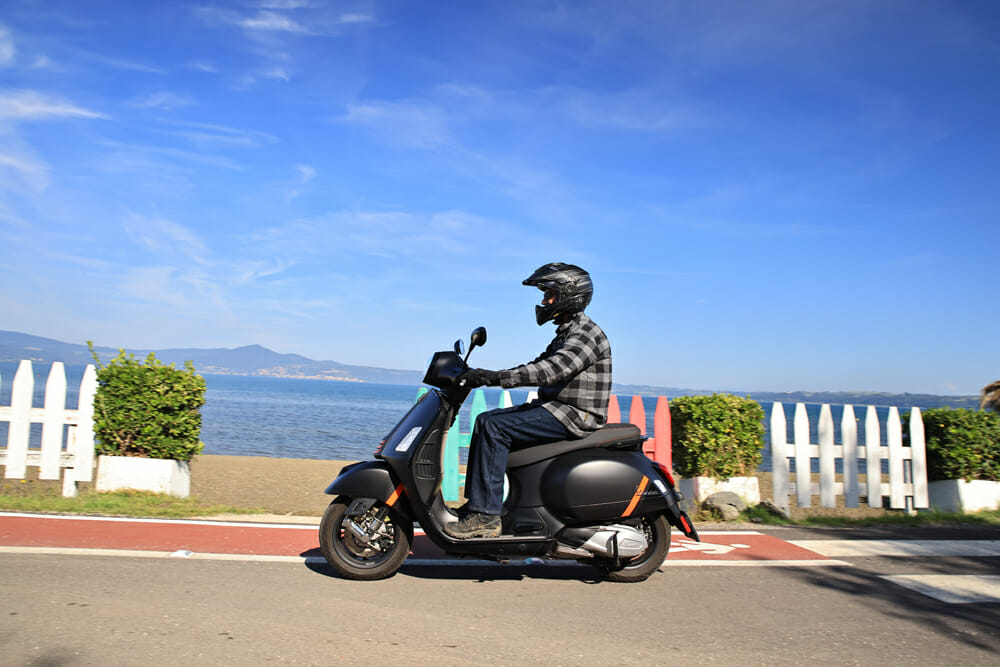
[[571, 284]]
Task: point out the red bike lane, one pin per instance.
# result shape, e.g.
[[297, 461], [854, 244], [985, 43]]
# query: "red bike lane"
[[167, 537]]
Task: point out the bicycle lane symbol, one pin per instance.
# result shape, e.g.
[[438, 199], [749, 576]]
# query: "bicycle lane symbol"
[[706, 548]]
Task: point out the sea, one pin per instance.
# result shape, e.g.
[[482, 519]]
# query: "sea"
[[322, 419]]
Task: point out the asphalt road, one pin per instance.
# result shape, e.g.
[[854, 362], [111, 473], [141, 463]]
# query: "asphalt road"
[[106, 610]]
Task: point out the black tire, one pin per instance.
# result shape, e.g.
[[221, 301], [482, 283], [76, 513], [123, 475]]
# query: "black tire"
[[657, 531], [350, 557]]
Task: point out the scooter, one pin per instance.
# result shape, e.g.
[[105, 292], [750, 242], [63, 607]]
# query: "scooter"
[[596, 500]]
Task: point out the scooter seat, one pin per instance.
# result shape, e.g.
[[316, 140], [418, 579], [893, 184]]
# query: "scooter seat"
[[611, 436]]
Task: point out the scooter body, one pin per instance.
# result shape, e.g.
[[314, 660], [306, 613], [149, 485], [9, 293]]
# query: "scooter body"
[[597, 499]]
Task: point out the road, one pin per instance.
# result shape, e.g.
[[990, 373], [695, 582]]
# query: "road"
[[74, 608]]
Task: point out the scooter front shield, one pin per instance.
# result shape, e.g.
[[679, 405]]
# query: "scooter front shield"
[[370, 479]]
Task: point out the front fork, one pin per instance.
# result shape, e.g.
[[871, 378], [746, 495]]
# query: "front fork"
[[366, 526]]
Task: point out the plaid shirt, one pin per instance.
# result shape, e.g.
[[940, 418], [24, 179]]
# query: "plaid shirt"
[[573, 376]]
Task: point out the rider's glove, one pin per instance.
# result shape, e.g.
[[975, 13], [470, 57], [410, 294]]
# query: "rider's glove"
[[479, 377]]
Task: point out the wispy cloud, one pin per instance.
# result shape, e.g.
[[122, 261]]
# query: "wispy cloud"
[[20, 168], [286, 4], [32, 105], [166, 238], [414, 124], [219, 135], [131, 158], [267, 20], [294, 18], [7, 49], [163, 100], [306, 173]]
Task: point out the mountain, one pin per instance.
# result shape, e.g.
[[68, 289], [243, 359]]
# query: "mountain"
[[903, 401], [246, 360], [258, 360]]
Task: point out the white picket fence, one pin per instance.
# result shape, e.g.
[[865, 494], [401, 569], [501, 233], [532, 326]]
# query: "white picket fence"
[[70, 448], [907, 476]]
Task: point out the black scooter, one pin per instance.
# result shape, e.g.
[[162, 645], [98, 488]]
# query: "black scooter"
[[597, 499]]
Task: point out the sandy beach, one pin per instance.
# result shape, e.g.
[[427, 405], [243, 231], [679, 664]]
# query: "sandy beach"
[[296, 486]]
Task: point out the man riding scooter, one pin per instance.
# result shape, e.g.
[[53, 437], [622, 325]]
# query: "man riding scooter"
[[573, 376]]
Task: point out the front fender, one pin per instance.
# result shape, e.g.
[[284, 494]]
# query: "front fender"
[[369, 479]]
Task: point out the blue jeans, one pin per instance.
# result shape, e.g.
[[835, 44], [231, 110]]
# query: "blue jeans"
[[496, 433]]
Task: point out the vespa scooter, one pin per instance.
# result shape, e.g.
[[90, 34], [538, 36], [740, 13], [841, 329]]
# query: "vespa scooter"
[[596, 500]]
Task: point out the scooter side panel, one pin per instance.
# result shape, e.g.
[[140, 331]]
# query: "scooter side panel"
[[599, 485]]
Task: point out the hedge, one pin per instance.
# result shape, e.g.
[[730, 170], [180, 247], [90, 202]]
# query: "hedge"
[[718, 436], [147, 409], [961, 444]]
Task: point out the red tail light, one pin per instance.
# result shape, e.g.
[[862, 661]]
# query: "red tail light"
[[666, 473]]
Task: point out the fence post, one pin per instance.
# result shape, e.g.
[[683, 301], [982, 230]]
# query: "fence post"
[[19, 428], [873, 458], [894, 435], [827, 467], [614, 412], [637, 417], [663, 448], [779, 456], [83, 455], [918, 459], [52, 421], [803, 467], [505, 400], [849, 436]]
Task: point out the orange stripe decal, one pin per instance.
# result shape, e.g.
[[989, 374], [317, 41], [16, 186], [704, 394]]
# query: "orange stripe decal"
[[395, 496], [636, 496]]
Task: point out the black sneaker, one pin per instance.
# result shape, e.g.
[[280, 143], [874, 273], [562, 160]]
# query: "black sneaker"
[[474, 525]]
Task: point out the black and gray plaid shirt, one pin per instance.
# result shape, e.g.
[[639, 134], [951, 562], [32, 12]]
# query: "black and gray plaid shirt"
[[573, 376]]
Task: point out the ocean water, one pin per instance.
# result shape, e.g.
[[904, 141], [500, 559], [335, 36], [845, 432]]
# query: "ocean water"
[[318, 419]]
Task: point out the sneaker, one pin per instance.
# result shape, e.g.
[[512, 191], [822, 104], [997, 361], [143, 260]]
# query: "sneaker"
[[474, 525]]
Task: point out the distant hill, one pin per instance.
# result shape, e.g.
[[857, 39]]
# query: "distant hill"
[[922, 401], [258, 360], [247, 360]]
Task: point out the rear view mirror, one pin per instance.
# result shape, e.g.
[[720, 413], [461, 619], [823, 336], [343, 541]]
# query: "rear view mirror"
[[477, 339]]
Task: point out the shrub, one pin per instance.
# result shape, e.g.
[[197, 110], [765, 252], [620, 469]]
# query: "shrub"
[[147, 409], [716, 436], [962, 444]]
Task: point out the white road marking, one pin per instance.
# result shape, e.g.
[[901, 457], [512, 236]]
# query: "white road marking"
[[951, 588], [846, 548], [182, 522], [411, 562]]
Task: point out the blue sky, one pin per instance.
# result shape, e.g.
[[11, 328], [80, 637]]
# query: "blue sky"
[[796, 195]]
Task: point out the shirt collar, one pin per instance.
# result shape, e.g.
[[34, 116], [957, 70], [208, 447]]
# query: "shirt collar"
[[571, 323]]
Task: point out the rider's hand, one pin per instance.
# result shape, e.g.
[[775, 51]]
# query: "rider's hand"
[[479, 377]]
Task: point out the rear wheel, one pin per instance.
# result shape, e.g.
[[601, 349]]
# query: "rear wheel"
[[363, 557], [657, 532]]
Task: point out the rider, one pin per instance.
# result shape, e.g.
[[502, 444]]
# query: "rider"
[[573, 376]]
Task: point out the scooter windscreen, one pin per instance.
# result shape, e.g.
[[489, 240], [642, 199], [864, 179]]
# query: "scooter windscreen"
[[444, 369]]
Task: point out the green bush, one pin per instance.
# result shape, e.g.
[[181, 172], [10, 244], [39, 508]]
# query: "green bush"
[[718, 436], [147, 409], [961, 444]]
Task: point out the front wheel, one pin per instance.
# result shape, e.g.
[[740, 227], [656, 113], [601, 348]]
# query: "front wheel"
[[363, 557], [657, 532]]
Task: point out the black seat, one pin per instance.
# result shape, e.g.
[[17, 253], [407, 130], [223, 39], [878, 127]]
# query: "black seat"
[[616, 436]]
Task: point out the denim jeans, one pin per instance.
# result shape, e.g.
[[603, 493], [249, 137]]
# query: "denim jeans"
[[496, 433]]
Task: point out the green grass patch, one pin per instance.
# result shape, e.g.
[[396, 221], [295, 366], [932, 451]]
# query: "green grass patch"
[[118, 503]]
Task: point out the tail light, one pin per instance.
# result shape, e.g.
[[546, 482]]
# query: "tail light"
[[666, 473]]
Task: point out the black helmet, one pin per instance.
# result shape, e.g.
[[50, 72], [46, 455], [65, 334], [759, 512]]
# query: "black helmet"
[[571, 284]]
